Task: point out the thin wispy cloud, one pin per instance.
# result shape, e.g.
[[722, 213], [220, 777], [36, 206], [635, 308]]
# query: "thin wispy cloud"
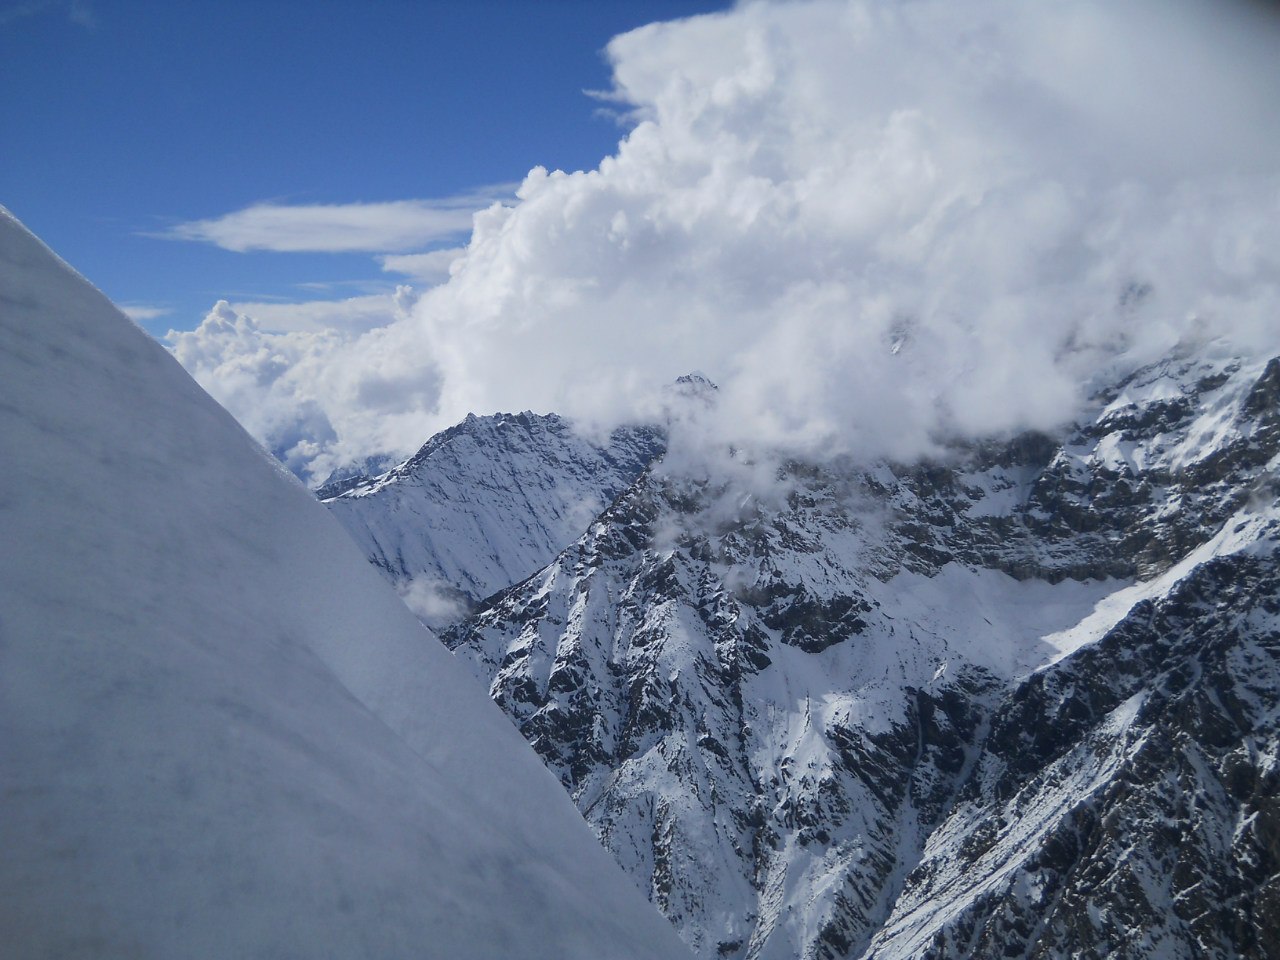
[[430, 267], [140, 312], [354, 287], [82, 14], [78, 12], [391, 227], [13, 12], [350, 314]]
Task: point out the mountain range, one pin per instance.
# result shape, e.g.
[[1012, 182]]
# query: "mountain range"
[[1018, 699]]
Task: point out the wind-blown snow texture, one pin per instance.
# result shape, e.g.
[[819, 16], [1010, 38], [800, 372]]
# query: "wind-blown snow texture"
[[221, 735], [1021, 702]]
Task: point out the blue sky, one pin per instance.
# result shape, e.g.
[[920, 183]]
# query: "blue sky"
[[124, 120]]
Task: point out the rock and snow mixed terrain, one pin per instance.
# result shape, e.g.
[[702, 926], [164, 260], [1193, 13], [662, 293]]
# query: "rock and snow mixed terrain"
[[221, 734], [485, 504], [1021, 700]]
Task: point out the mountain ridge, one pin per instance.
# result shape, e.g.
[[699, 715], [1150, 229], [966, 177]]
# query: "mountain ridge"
[[771, 710], [485, 503]]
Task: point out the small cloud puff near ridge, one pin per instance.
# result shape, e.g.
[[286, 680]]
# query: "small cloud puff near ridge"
[[876, 225]]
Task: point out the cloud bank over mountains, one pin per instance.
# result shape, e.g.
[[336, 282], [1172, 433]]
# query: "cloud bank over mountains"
[[876, 224]]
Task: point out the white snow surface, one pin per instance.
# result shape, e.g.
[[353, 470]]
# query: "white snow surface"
[[221, 734]]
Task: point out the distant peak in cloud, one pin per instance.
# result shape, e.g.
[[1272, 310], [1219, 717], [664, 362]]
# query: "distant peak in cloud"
[[294, 389], [696, 382]]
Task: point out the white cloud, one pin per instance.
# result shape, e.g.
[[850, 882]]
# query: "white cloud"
[[138, 312], [435, 602], [317, 399], [430, 267], [350, 315], [340, 228], [875, 224]]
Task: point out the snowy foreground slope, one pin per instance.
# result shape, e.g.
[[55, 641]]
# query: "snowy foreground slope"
[[221, 734], [1021, 702]]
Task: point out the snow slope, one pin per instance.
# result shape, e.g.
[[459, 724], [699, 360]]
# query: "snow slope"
[[486, 503], [221, 734]]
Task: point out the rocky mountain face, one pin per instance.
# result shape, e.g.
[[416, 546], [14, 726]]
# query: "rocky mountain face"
[[484, 504], [1019, 701], [1127, 799]]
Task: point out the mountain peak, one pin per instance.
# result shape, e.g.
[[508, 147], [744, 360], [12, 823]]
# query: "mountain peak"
[[492, 499]]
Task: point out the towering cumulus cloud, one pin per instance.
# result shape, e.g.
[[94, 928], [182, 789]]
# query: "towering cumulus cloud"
[[875, 224]]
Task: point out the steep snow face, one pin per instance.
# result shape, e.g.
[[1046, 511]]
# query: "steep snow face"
[[791, 721], [221, 734], [485, 504]]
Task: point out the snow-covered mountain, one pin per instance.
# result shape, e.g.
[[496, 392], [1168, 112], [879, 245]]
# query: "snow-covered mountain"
[[1020, 701], [484, 504], [221, 734]]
